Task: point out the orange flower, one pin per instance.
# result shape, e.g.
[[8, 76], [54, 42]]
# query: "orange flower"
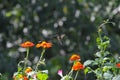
[[14, 78], [44, 44], [20, 76], [77, 66], [25, 78], [118, 65], [75, 57], [27, 44], [29, 69]]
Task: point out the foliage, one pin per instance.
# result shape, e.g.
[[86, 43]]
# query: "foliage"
[[105, 62], [25, 72], [77, 66], [69, 24]]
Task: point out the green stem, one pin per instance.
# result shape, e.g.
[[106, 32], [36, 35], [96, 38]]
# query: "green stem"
[[76, 75], [40, 59], [102, 49], [102, 54], [70, 73], [43, 51], [118, 71], [100, 37], [26, 58]]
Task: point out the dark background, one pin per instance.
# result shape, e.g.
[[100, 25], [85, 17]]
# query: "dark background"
[[71, 26]]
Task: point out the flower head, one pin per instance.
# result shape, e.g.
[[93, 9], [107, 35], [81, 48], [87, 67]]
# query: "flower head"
[[27, 44], [20, 77], [29, 69], [60, 73], [77, 66], [118, 65], [25, 78], [75, 57], [44, 44]]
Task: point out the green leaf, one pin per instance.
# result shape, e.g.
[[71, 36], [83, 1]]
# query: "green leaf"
[[8, 14], [87, 70], [19, 69], [105, 44], [98, 60], [116, 77], [80, 1], [106, 53], [98, 40], [98, 54], [42, 76], [106, 38], [108, 76], [66, 78], [106, 68], [105, 59], [98, 72], [88, 62]]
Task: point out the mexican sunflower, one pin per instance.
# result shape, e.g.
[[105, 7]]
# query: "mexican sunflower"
[[27, 44], [77, 66], [27, 70], [25, 78], [74, 57], [44, 44], [118, 65], [21, 77]]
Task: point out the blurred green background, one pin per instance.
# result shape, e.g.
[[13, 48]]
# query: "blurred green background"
[[71, 26]]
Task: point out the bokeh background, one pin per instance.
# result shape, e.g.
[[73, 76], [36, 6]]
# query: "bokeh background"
[[71, 26]]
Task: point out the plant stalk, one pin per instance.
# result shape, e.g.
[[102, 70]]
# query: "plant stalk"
[[76, 75], [26, 58], [42, 53]]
